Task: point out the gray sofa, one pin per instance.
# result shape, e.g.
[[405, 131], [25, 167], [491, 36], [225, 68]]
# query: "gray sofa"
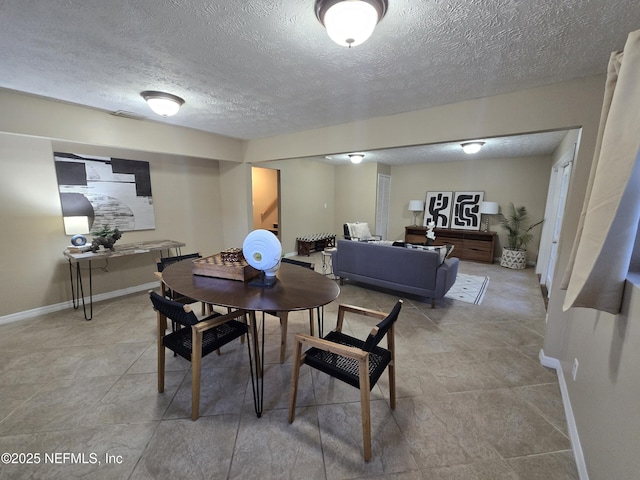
[[416, 272]]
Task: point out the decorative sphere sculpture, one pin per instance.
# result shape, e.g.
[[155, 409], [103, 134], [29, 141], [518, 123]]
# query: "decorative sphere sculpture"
[[263, 251], [78, 240]]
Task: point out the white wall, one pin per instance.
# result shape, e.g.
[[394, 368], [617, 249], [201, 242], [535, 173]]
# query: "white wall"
[[305, 188], [38, 117], [187, 206], [557, 106], [32, 237], [501, 180], [356, 187], [605, 394]]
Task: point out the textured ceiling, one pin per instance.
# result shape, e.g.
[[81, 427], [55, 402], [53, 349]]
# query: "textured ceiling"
[[514, 146], [250, 69]]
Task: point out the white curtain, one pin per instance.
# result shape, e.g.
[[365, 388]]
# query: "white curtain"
[[608, 223]]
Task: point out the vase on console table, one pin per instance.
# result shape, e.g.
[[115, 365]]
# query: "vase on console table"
[[430, 235]]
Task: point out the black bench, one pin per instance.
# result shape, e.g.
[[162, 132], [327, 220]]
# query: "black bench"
[[316, 242]]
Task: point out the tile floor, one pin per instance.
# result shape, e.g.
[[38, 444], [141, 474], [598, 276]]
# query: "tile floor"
[[79, 398]]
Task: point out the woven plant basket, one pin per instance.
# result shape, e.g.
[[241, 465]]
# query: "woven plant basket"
[[514, 258]]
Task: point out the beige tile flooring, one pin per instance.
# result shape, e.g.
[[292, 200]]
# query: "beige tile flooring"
[[473, 400]]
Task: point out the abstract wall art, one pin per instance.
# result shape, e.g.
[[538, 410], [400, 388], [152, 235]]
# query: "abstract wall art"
[[437, 208], [112, 192], [466, 210]]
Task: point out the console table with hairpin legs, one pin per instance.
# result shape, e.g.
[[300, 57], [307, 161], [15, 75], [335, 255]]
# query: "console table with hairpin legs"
[[120, 250]]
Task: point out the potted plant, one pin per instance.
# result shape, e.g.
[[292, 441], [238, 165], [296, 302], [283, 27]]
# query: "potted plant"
[[514, 255], [106, 237]]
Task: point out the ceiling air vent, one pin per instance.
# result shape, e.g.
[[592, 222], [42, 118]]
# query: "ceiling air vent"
[[125, 114]]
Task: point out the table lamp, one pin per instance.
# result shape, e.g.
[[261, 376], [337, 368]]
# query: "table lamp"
[[415, 206], [77, 226], [488, 208], [263, 251]]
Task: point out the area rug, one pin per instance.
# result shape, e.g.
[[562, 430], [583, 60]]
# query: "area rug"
[[468, 288]]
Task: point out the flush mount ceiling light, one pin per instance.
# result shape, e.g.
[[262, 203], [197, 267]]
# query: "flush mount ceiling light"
[[350, 22], [472, 147], [356, 157], [164, 104]]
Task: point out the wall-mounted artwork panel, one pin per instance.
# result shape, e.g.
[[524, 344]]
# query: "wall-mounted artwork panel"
[[112, 192], [466, 210], [437, 208]]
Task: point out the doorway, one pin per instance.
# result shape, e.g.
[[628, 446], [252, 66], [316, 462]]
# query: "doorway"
[[554, 213], [265, 196]]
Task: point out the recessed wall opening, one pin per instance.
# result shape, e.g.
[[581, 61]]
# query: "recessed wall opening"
[[265, 194]]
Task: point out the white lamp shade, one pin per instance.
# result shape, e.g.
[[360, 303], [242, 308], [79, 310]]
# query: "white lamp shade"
[[76, 225], [489, 208], [351, 22], [263, 251], [416, 205]]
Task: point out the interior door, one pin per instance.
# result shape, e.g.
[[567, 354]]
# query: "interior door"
[[382, 205], [546, 236], [565, 176], [553, 214]]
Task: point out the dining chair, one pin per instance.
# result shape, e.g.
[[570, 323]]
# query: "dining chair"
[[197, 338], [163, 263], [284, 316], [356, 362]]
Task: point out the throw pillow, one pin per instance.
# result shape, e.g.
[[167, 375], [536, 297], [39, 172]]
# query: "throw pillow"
[[449, 250], [362, 230], [442, 251]]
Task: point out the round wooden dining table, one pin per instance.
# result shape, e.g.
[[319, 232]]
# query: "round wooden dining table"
[[296, 288]]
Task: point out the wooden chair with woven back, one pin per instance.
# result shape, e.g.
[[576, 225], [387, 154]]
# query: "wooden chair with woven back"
[[195, 340], [164, 262], [284, 316], [356, 362]]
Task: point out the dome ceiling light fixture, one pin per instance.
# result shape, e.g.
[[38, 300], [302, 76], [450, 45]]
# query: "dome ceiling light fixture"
[[350, 22], [165, 104], [471, 147], [356, 157]]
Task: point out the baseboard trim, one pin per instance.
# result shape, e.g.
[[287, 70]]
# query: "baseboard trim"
[[15, 317], [554, 363]]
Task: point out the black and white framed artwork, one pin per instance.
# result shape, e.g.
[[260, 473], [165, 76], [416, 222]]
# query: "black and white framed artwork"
[[437, 208], [112, 192], [466, 210]]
